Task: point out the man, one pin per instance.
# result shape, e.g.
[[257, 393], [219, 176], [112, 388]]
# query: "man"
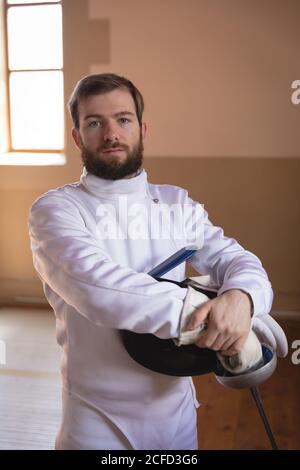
[[93, 243]]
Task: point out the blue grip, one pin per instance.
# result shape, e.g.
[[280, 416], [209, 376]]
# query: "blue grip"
[[173, 261]]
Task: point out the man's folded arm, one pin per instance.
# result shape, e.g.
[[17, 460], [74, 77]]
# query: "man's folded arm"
[[229, 265], [72, 263]]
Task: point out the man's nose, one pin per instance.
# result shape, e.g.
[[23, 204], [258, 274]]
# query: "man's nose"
[[111, 132]]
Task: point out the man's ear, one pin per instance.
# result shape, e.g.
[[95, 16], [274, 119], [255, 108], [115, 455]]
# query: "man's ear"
[[77, 138], [144, 130]]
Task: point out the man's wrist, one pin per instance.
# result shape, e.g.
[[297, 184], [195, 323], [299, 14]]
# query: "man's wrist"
[[246, 294]]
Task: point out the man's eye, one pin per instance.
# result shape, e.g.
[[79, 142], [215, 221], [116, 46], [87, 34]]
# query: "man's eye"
[[123, 120], [94, 124]]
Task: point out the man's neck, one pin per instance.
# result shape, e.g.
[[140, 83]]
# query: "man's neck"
[[134, 174]]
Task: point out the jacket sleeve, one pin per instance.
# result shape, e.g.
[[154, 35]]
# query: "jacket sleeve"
[[229, 265], [73, 264]]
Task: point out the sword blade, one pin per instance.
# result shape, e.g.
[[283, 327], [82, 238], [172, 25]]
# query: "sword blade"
[[259, 404]]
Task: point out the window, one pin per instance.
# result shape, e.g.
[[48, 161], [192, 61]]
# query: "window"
[[34, 79]]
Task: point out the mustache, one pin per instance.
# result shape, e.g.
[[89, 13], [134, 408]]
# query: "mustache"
[[113, 146]]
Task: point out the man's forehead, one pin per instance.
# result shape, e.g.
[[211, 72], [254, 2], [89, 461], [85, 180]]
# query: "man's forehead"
[[114, 101]]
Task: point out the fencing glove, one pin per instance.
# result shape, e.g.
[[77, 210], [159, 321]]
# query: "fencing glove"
[[264, 329]]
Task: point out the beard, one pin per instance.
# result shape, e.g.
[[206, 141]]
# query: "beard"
[[108, 166]]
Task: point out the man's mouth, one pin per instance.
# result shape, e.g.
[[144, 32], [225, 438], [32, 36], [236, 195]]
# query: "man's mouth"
[[113, 150]]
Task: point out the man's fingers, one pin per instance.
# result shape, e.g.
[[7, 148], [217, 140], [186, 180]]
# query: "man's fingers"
[[213, 340], [228, 347], [199, 316], [219, 343], [207, 339], [235, 347]]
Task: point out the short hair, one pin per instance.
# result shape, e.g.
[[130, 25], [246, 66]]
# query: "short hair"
[[100, 83]]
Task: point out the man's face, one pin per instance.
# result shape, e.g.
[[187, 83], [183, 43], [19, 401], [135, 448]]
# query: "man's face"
[[109, 135]]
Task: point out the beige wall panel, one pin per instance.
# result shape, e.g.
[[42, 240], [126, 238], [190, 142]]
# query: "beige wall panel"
[[216, 79]]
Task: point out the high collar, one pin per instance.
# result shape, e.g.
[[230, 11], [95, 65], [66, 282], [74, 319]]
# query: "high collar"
[[111, 188]]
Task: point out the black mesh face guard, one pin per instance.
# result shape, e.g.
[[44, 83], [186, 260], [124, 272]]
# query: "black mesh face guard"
[[163, 356]]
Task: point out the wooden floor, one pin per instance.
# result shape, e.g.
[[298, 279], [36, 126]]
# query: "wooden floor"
[[228, 419], [29, 381]]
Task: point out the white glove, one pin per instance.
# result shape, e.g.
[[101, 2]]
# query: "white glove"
[[249, 357], [264, 330], [268, 331], [192, 301], [251, 353]]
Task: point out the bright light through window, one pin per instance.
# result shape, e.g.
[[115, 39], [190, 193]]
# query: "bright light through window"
[[35, 37], [12, 2], [36, 100], [35, 76]]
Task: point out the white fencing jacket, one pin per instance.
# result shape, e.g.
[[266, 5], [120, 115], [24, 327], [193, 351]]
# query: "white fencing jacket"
[[92, 252]]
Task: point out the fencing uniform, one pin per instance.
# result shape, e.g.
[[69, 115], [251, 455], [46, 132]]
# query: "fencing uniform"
[[93, 243]]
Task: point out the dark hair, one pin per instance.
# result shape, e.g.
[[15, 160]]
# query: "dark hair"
[[103, 83]]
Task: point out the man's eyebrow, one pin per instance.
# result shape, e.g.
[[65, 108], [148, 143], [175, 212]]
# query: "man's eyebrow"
[[116, 115]]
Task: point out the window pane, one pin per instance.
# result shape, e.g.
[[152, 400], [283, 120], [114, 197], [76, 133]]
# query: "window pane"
[[35, 37], [36, 100], [11, 2]]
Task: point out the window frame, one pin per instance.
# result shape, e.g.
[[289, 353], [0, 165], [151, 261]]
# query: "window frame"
[[7, 152]]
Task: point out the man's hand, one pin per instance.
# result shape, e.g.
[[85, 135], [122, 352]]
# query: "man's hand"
[[228, 319]]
